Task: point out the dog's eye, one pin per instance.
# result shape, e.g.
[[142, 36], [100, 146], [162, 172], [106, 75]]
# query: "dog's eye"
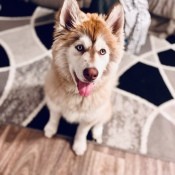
[[80, 48], [102, 51]]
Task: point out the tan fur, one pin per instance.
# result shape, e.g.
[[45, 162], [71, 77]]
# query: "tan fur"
[[60, 89]]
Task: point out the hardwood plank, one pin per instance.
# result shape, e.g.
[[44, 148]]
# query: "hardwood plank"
[[27, 152], [105, 163], [129, 159], [172, 168], [120, 166]]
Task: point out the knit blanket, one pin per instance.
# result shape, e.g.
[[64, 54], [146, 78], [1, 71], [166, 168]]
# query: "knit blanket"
[[163, 17]]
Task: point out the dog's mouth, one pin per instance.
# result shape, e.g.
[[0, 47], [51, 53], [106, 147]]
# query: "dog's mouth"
[[84, 88]]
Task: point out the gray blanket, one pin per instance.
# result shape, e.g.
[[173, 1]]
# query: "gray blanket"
[[163, 17]]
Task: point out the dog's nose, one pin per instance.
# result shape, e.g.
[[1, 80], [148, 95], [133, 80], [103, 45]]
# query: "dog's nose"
[[90, 73]]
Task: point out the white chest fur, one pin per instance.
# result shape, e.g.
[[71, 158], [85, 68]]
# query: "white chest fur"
[[77, 109]]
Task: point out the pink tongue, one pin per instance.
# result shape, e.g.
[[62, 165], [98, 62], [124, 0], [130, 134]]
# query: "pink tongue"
[[85, 88]]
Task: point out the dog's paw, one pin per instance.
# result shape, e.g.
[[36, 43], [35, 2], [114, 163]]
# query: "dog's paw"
[[97, 134], [79, 147], [49, 131], [98, 140]]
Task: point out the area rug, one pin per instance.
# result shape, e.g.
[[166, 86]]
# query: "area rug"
[[143, 102]]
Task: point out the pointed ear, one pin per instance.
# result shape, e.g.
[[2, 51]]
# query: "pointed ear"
[[115, 18], [69, 14]]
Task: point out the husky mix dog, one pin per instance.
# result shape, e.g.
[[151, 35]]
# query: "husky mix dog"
[[87, 50]]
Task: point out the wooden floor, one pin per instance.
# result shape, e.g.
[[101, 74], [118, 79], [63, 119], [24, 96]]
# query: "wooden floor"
[[27, 152]]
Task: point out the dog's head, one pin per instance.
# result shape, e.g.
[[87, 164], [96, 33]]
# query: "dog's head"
[[86, 45]]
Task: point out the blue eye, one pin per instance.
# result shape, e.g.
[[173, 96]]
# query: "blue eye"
[[102, 51], [80, 48]]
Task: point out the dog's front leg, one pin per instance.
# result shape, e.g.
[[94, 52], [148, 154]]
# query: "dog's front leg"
[[97, 132], [52, 125], [80, 141]]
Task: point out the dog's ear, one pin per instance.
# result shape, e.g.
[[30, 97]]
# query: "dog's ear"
[[69, 14], [115, 18]]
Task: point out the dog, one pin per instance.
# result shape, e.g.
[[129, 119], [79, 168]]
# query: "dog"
[[86, 50]]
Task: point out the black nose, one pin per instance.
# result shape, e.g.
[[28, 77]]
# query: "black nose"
[[90, 73]]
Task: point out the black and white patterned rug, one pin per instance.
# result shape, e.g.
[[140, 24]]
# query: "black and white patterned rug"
[[144, 101]]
